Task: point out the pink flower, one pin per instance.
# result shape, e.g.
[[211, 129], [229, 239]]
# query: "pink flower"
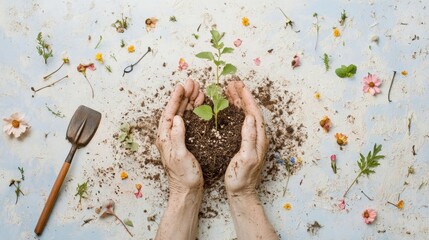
[[139, 189], [369, 215], [342, 204], [82, 67], [371, 84], [333, 157], [182, 64], [237, 43], [295, 62], [257, 61]]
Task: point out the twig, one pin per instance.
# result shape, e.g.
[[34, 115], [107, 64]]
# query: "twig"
[[123, 224], [49, 75], [99, 41], [50, 85], [366, 196], [390, 88]]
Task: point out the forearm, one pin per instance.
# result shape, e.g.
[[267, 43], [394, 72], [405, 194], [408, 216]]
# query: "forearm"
[[180, 219], [249, 217]]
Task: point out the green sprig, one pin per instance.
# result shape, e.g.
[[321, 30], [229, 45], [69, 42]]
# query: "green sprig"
[[81, 190], [367, 165], [43, 48]]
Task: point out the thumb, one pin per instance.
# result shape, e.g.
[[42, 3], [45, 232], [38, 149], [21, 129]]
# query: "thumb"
[[178, 133], [248, 134]]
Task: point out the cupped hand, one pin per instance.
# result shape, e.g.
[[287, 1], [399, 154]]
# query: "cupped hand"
[[183, 170], [243, 173]]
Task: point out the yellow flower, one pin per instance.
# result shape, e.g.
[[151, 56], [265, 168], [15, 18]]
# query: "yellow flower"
[[99, 57], [400, 204], [336, 32], [124, 175], [287, 206], [299, 160], [138, 186], [325, 123], [341, 139], [317, 95], [245, 21], [404, 73], [131, 49]]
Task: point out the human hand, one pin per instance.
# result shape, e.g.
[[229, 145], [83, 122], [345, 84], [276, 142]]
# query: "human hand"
[[183, 170], [244, 170]]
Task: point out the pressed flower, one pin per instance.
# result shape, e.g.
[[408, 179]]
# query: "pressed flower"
[[257, 61], [369, 215], [371, 84], [138, 193], [299, 160], [16, 125], [325, 123], [82, 69], [341, 139], [109, 207], [334, 163], [237, 43], [99, 57], [65, 57], [131, 49], [292, 160], [336, 32], [404, 73], [317, 95], [245, 21], [296, 62], [182, 64], [287, 206], [151, 23], [342, 204], [124, 175], [399, 205]]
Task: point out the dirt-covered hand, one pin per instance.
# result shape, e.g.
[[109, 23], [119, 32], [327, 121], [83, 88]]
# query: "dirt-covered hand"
[[243, 173], [183, 170]]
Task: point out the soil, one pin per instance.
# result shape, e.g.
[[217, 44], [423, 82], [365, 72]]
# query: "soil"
[[213, 148]]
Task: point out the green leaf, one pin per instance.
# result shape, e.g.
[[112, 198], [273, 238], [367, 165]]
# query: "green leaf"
[[215, 35], [227, 50], [228, 69], [128, 222], [217, 63], [122, 137], [351, 69], [341, 72], [125, 127], [204, 112], [205, 55], [220, 105], [346, 71], [133, 147], [213, 91], [220, 46]]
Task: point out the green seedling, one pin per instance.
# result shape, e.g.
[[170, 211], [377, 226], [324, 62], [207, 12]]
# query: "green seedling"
[[206, 112], [127, 138], [121, 24], [43, 48], [81, 191], [346, 71]]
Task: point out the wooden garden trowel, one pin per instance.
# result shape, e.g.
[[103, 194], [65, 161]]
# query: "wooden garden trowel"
[[82, 128]]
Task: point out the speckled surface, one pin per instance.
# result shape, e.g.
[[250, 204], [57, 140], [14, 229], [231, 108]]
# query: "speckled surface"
[[314, 191]]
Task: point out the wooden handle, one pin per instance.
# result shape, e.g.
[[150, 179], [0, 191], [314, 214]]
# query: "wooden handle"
[[44, 216]]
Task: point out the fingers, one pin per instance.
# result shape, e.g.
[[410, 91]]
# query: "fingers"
[[195, 93], [199, 100], [248, 135], [232, 93], [178, 135], [166, 121]]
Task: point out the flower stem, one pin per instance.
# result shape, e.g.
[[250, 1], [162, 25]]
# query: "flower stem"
[[215, 115], [390, 88], [123, 224], [50, 85], [92, 90], [354, 181], [287, 183], [49, 75]]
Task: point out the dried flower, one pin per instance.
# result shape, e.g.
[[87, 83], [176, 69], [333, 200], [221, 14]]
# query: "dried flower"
[[82, 69], [124, 175], [334, 163], [131, 49], [341, 139], [342, 204], [336, 32], [404, 73], [151, 23], [109, 207], [257, 61], [16, 125], [245, 21], [369, 215], [65, 57], [325, 123], [296, 62], [99, 57], [287, 206], [317, 95], [237, 43], [371, 84], [182, 64], [138, 193], [399, 205]]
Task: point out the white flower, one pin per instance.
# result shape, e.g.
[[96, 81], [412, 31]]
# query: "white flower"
[[65, 57], [16, 125]]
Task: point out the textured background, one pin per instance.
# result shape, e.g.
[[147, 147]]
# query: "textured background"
[[403, 30]]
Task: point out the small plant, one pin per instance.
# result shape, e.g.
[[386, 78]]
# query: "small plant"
[[221, 49], [317, 26], [81, 191], [326, 61], [367, 165], [288, 21], [343, 18], [122, 43], [43, 48], [127, 137], [206, 112], [121, 24], [173, 19], [17, 184], [346, 71]]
